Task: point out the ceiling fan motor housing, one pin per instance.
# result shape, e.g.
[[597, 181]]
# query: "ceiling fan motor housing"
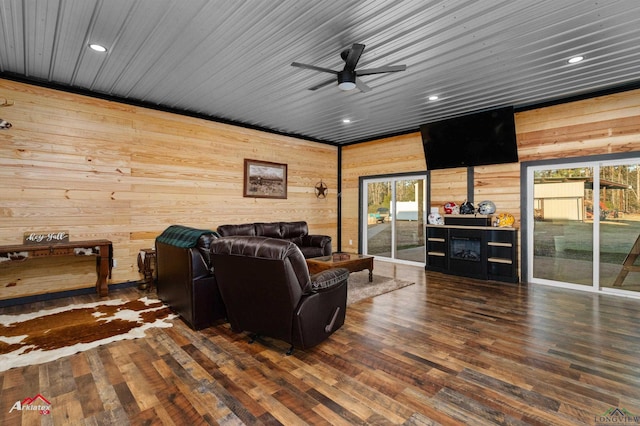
[[347, 79]]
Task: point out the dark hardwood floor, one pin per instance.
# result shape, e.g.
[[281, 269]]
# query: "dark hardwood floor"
[[444, 351]]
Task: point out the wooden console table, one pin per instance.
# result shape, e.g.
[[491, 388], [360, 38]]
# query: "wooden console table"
[[102, 249]]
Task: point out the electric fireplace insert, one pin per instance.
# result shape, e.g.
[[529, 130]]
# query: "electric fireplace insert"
[[465, 249], [466, 252]]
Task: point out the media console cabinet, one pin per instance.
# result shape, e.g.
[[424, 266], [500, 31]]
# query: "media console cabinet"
[[482, 252]]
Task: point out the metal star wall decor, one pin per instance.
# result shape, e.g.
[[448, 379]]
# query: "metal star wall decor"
[[321, 190]]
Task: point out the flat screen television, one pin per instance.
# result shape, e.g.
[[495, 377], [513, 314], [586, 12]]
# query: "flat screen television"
[[487, 137]]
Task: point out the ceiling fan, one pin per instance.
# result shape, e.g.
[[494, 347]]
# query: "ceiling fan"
[[348, 77]]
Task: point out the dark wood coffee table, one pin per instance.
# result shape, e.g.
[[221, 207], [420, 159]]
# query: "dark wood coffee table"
[[352, 262]]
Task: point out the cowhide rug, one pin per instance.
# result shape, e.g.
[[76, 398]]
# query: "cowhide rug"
[[43, 336]]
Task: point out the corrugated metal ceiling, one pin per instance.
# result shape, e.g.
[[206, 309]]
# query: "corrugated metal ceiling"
[[231, 60]]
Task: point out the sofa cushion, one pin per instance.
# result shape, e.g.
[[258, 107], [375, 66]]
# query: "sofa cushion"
[[292, 230], [270, 230], [295, 232], [246, 229]]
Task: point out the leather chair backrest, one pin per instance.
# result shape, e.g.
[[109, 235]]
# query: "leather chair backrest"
[[267, 248], [262, 281]]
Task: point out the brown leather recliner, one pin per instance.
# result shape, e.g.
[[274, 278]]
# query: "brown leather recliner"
[[186, 282], [267, 290]]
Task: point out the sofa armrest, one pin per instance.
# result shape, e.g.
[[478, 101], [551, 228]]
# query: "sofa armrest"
[[315, 240], [328, 279]]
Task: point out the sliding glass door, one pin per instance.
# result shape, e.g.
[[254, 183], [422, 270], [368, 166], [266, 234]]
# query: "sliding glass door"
[[620, 226], [563, 225], [378, 230], [584, 226], [394, 218]]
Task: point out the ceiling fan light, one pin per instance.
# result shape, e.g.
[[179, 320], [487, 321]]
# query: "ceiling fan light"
[[347, 85]]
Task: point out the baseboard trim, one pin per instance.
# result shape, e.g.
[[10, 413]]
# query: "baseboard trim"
[[61, 294]]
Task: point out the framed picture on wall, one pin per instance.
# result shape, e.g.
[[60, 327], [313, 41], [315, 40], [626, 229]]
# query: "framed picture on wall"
[[263, 179]]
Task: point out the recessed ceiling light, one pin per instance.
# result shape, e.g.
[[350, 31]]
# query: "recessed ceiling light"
[[433, 97], [98, 47], [575, 59], [346, 120]]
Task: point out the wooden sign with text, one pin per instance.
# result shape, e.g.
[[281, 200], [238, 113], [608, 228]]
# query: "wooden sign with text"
[[52, 237]]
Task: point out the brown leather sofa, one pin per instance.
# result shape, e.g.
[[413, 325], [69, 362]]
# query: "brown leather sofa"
[[186, 282], [267, 290], [296, 232]]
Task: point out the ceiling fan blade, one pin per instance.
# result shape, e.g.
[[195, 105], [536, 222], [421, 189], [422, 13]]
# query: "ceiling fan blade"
[[325, 83], [313, 67], [354, 56], [362, 86], [380, 70]]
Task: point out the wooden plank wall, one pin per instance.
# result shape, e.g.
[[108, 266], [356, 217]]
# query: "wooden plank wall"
[[102, 169], [599, 125]]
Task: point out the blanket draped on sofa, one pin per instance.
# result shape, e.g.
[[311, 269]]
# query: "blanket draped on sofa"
[[182, 236]]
